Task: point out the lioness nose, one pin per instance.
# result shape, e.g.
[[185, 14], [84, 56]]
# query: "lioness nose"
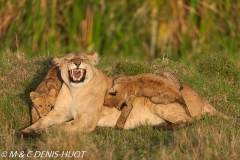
[[77, 63]]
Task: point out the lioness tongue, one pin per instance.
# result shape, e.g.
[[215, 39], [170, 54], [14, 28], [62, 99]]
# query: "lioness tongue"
[[76, 74]]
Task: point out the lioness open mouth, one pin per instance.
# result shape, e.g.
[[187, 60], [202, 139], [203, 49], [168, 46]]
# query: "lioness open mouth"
[[77, 75]]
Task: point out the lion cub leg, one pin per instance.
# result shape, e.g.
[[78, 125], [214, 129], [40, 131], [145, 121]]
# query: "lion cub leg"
[[124, 115], [165, 98], [34, 114], [184, 105]]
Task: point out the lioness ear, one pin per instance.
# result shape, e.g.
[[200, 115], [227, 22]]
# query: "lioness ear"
[[112, 91], [33, 95], [58, 61], [93, 58], [52, 92]]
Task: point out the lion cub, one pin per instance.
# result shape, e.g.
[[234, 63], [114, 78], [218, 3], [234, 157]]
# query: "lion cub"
[[162, 89], [44, 97]]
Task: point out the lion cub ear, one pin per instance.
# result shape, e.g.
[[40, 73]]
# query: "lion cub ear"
[[58, 61], [33, 95], [112, 91], [93, 58], [52, 93]]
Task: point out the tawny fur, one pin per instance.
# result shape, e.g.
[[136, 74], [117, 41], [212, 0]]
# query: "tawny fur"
[[44, 97], [163, 89], [79, 106]]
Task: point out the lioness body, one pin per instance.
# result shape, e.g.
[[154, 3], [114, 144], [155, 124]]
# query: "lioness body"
[[80, 102], [159, 89], [44, 97]]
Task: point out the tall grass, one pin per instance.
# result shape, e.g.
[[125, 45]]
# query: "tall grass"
[[147, 29]]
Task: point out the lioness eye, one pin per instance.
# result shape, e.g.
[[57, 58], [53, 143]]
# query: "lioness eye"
[[84, 60], [40, 106]]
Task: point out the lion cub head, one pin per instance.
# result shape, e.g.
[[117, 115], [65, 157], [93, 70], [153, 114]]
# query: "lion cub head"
[[42, 103], [77, 68], [120, 91]]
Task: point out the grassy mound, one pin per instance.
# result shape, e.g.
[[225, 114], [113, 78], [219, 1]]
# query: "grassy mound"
[[219, 66], [208, 138]]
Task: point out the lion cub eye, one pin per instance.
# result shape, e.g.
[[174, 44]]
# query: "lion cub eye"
[[49, 106], [40, 106], [111, 95]]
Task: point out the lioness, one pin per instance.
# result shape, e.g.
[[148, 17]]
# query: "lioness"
[[44, 97], [162, 89], [80, 102]]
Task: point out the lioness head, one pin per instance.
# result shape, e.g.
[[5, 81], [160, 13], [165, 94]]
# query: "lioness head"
[[43, 102], [77, 68]]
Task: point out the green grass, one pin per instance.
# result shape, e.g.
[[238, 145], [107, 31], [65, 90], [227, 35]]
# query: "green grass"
[[219, 66], [207, 138]]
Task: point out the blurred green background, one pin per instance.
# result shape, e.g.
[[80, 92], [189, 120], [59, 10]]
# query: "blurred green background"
[[181, 30]]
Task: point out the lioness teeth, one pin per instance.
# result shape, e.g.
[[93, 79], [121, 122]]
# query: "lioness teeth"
[[76, 74], [82, 73]]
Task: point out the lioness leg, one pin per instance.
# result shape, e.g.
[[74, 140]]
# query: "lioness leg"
[[82, 124], [173, 113], [124, 115], [167, 98], [52, 118]]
